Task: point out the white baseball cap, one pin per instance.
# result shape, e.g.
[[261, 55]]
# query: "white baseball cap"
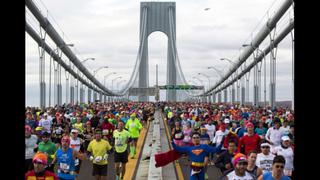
[[74, 131], [285, 138], [226, 120]]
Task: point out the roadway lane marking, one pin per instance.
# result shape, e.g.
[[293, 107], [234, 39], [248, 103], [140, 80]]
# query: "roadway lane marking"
[[177, 165], [132, 163]]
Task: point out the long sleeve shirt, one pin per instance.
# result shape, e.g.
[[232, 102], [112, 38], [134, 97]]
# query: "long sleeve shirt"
[[196, 153], [274, 135], [249, 143]]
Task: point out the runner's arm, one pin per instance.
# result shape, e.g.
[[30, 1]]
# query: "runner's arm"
[[183, 149]]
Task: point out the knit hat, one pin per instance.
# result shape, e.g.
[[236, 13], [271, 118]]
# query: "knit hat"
[[40, 157], [239, 157], [65, 138], [27, 128], [249, 125]]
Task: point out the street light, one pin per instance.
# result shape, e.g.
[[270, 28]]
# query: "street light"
[[106, 76], [208, 77], [120, 83], [96, 71], [217, 70], [228, 60], [114, 80], [82, 62]]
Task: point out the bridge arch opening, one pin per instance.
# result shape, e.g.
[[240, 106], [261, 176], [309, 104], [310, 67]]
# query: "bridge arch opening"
[[158, 45]]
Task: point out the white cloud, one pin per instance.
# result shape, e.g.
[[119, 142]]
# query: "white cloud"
[[109, 31]]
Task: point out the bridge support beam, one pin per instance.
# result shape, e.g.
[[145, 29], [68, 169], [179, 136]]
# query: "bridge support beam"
[[233, 94], [225, 95], [89, 95], [243, 92], [72, 95], [81, 94], [213, 97], [273, 56], [219, 97], [94, 96]]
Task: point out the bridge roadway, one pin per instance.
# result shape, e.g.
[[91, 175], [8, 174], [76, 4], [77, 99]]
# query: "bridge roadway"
[[139, 167]]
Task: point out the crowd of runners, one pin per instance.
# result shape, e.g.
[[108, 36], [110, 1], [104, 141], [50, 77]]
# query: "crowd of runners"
[[243, 142], [58, 139]]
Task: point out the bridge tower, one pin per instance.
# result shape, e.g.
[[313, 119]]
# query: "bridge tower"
[[157, 16]]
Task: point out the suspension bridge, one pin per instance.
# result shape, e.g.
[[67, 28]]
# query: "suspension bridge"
[[82, 86]]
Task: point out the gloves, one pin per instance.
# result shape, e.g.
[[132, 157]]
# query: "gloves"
[[91, 158], [105, 157]]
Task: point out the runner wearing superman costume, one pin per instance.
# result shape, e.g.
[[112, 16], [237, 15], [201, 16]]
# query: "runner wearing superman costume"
[[196, 154]]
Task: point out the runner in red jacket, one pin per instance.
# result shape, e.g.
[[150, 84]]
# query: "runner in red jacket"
[[250, 141]]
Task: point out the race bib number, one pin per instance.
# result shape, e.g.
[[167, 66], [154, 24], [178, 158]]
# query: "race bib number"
[[119, 141], [133, 125], [186, 138], [178, 135], [76, 162], [58, 131], [64, 167]]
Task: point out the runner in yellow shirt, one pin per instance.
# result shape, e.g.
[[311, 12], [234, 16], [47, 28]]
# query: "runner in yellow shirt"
[[121, 139], [98, 149], [134, 126]]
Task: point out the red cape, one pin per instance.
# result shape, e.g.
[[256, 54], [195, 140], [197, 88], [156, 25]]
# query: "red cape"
[[163, 159]]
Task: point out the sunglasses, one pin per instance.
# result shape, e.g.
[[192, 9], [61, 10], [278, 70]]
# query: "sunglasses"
[[279, 166], [263, 147], [242, 163]]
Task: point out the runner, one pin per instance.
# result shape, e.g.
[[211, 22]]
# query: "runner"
[[240, 164], [133, 126], [197, 154], [250, 141], [277, 170], [286, 151], [65, 158], [265, 158], [39, 161], [121, 138], [177, 134], [76, 143], [97, 150], [224, 161], [49, 148], [31, 144], [252, 167], [274, 134]]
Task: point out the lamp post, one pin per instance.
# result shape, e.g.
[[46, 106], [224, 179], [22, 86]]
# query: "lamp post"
[[82, 62], [114, 80], [96, 71], [106, 76], [120, 83], [220, 73], [222, 59], [208, 77]]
